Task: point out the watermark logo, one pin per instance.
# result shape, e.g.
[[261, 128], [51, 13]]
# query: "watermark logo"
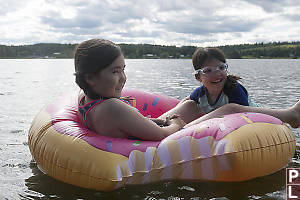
[[292, 183]]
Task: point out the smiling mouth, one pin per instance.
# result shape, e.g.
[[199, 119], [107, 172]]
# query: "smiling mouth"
[[217, 81]]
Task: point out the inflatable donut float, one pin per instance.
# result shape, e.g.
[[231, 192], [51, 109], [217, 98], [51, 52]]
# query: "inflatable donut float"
[[223, 149]]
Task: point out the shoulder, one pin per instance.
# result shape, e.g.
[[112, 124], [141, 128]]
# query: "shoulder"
[[107, 117], [241, 88], [111, 104], [198, 89], [239, 95], [197, 93], [111, 108]]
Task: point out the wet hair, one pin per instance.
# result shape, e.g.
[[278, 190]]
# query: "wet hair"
[[203, 54], [90, 57]]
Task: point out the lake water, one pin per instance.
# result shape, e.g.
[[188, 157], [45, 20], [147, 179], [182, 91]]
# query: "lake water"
[[27, 85]]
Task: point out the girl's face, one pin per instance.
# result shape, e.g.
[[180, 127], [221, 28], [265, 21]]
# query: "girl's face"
[[215, 80], [110, 81]]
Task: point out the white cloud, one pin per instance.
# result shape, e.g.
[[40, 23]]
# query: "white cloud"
[[275, 5], [171, 22]]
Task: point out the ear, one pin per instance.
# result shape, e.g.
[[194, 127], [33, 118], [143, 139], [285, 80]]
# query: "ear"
[[90, 79]]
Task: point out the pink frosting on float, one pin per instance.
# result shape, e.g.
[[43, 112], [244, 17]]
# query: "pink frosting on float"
[[220, 127], [66, 121]]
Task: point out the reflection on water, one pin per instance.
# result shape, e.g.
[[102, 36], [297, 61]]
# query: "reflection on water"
[[27, 85], [267, 187]]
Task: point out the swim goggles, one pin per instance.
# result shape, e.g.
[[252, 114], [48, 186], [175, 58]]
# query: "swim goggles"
[[209, 70]]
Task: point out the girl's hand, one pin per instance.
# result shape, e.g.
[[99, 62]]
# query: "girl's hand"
[[175, 119], [159, 122], [169, 118]]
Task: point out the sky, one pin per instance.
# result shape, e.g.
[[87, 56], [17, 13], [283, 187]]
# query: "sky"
[[161, 22]]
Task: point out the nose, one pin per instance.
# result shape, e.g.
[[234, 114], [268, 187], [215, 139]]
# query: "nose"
[[217, 70], [215, 73]]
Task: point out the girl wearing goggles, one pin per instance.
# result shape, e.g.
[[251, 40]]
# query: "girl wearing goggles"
[[217, 86], [221, 93]]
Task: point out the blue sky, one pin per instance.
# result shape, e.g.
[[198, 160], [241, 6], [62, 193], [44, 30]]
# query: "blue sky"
[[163, 22]]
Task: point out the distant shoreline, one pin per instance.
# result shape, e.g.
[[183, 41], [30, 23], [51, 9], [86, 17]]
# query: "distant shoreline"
[[274, 50]]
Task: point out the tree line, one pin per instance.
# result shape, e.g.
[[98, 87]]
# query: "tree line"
[[263, 50], [137, 51]]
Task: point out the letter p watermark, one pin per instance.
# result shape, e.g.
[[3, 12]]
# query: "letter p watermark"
[[292, 183]]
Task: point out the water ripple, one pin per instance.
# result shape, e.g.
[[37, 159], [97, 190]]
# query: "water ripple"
[[30, 84]]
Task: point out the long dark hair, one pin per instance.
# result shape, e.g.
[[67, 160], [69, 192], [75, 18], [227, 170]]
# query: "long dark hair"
[[203, 54], [90, 57]]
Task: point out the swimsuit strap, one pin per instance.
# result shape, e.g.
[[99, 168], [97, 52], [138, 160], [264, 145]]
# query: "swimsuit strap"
[[85, 109]]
